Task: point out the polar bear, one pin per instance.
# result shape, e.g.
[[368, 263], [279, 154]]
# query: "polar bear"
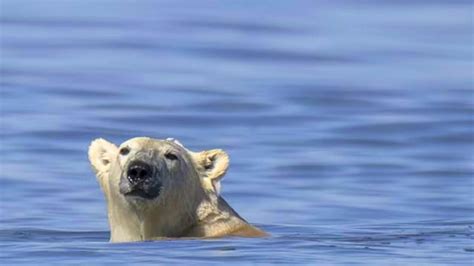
[[159, 189]]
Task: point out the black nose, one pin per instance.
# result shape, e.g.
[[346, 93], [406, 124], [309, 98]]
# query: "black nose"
[[138, 171]]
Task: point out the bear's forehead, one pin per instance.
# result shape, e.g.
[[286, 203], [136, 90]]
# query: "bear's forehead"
[[146, 142]]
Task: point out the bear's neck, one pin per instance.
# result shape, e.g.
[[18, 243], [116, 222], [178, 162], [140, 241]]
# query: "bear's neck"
[[138, 220]]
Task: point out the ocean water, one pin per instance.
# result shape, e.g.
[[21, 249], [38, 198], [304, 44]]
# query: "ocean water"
[[349, 125]]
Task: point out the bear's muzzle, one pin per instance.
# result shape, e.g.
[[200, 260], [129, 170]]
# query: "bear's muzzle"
[[140, 181]]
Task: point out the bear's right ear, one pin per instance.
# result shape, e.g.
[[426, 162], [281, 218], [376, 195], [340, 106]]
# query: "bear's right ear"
[[101, 154]]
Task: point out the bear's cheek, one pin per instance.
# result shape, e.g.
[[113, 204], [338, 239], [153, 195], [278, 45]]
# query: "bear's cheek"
[[116, 171], [122, 161]]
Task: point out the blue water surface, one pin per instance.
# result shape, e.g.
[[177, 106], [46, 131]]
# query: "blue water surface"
[[349, 125]]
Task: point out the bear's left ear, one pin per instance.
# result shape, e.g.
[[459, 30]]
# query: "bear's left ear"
[[101, 154], [213, 166]]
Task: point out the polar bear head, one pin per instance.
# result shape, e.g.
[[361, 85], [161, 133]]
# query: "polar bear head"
[[155, 171]]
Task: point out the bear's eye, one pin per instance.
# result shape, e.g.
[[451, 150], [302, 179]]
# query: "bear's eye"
[[124, 151], [171, 156]]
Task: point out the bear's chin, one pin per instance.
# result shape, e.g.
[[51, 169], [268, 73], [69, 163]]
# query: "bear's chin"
[[141, 194], [141, 190]]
